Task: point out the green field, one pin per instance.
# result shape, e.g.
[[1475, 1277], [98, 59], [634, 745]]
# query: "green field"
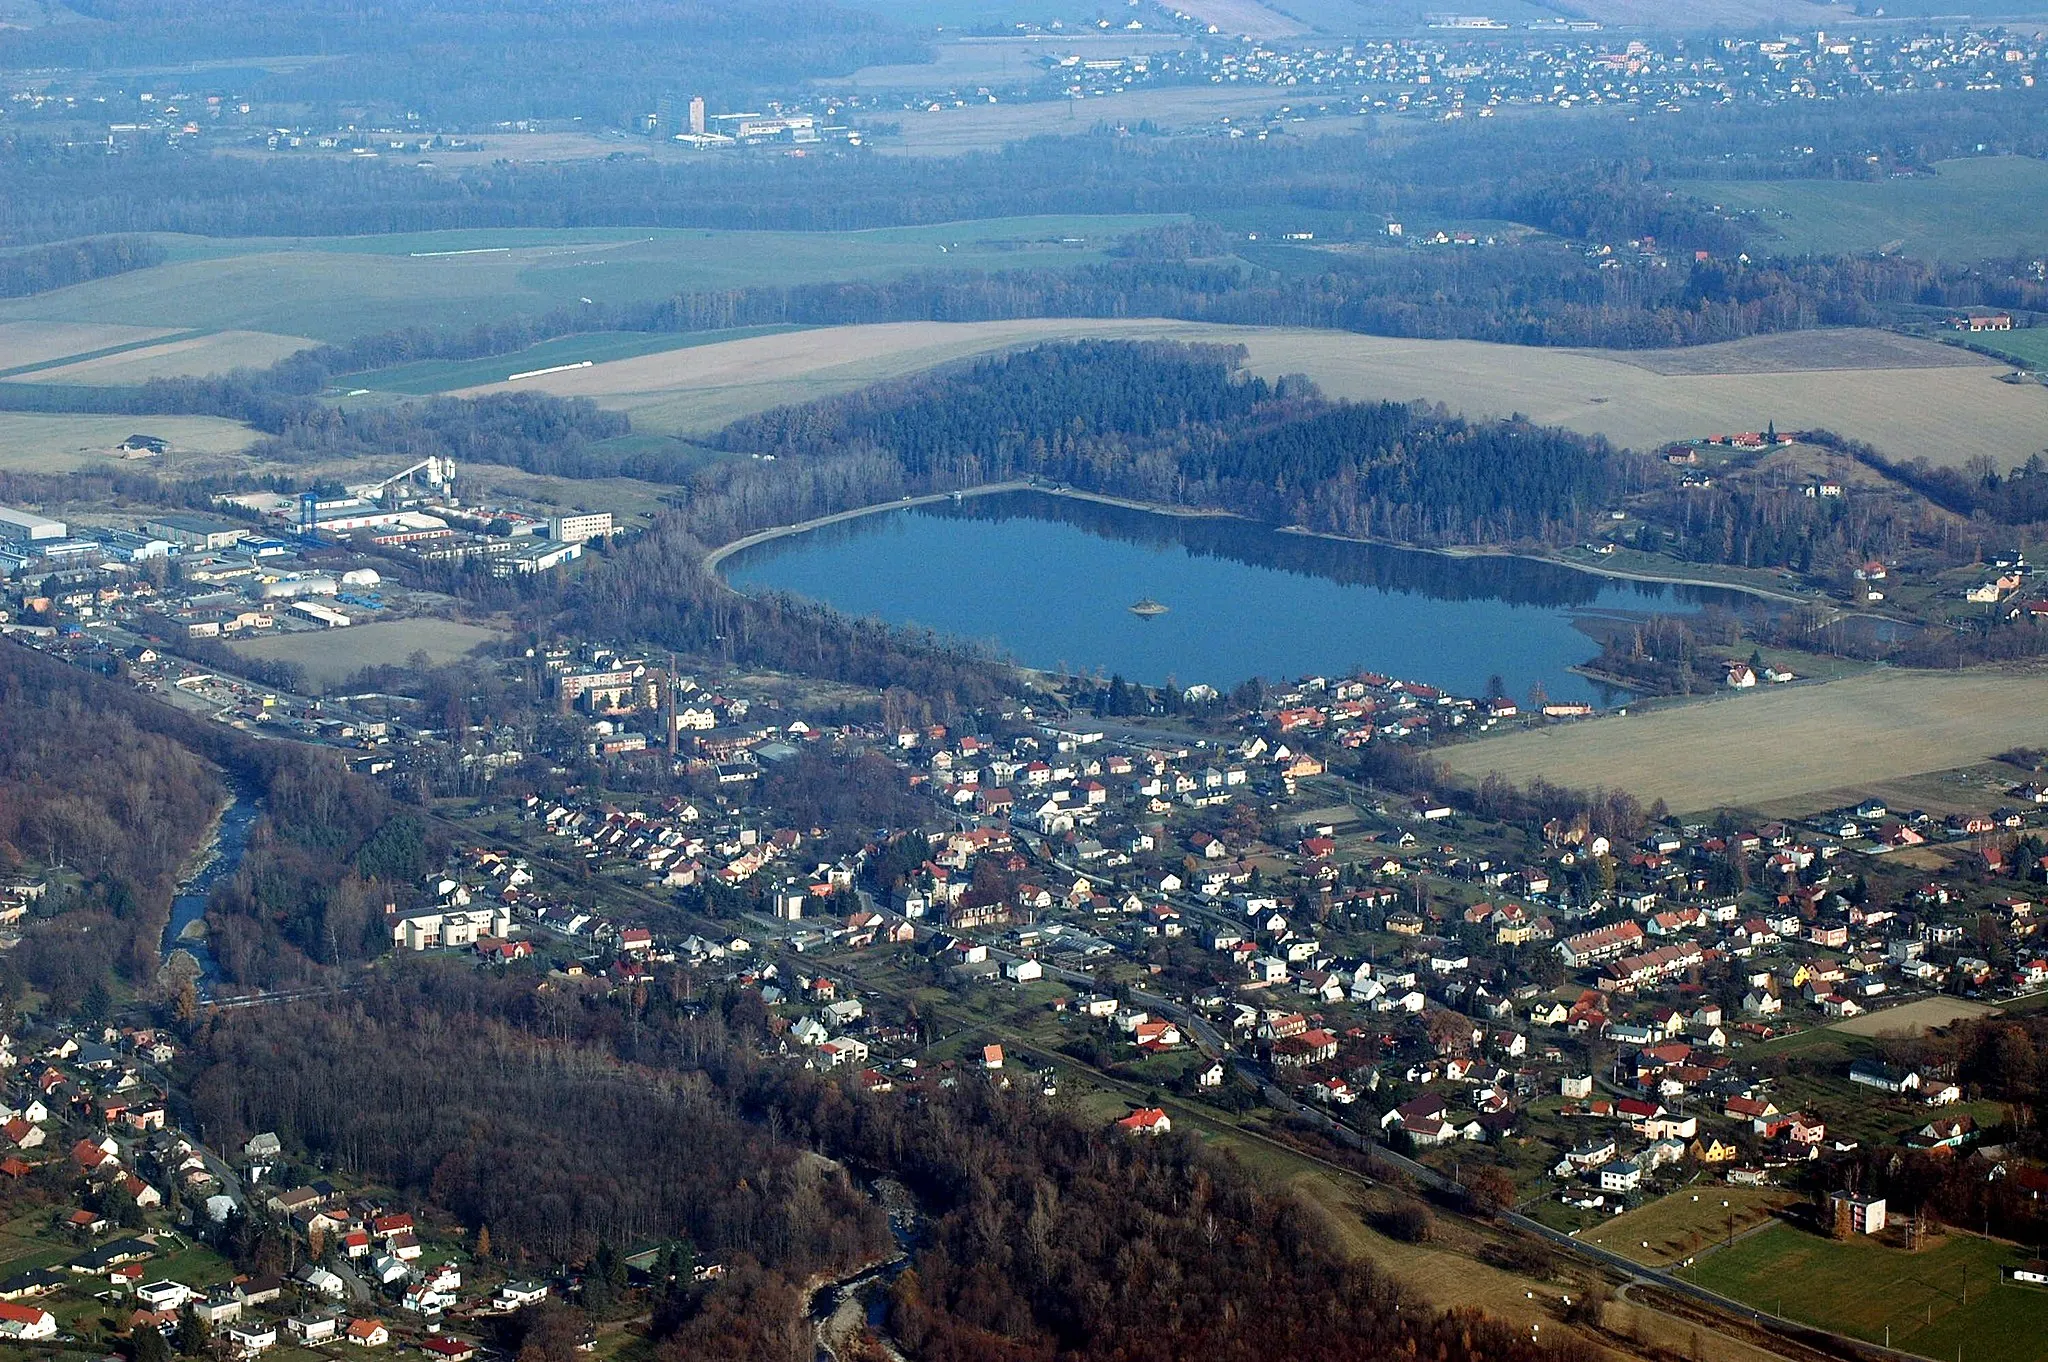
[[1861, 1287], [2027, 347], [1688, 1221], [440, 375], [1969, 210], [335, 288]]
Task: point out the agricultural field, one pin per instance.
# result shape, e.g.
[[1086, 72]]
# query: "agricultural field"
[[2026, 347], [213, 352], [1006, 61], [976, 127], [1934, 1302], [336, 288], [1878, 726], [1914, 1018], [1928, 399], [26, 345], [1968, 210], [427, 376], [331, 655], [36, 442], [1687, 1221]]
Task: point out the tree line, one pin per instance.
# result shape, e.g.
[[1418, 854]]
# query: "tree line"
[[62, 264]]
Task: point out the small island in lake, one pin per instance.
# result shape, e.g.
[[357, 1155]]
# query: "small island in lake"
[[1148, 608]]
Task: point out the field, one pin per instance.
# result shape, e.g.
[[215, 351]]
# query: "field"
[[2027, 347], [330, 655], [439, 375], [1969, 210], [1865, 1288], [1915, 1018], [35, 442], [1006, 61], [213, 352], [1679, 1225], [1749, 748], [983, 126], [1948, 410], [24, 344], [335, 288]]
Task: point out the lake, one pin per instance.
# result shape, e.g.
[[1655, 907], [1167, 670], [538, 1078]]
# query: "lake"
[[1049, 581]]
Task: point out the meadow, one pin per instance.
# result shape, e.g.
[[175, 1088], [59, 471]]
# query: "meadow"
[[336, 288], [1968, 210], [34, 442], [1934, 1302], [1920, 399], [331, 655], [1678, 1226], [2027, 347], [1752, 747]]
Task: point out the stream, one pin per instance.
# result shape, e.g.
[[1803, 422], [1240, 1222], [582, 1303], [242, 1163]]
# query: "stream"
[[222, 857]]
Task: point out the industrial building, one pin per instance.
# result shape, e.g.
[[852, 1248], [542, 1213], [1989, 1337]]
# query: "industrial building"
[[574, 529], [195, 531], [25, 527]]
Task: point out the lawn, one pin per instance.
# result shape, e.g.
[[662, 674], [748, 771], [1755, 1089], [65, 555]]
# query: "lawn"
[[1967, 210], [1863, 1287]]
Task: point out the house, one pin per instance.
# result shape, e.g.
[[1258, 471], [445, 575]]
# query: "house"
[[311, 1329], [1949, 1133], [251, 1337], [367, 1333], [1873, 1073], [448, 1348], [517, 1295], [1146, 1121], [1620, 1177], [26, 1322]]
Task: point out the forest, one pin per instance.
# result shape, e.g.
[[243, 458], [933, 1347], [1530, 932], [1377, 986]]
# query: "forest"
[[111, 793], [1043, 1238], [1181, 425], [42, 268]]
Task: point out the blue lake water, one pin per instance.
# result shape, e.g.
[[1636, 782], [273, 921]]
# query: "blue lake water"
[[1049, 581]]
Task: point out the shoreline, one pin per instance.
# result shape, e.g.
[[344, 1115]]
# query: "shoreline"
[[713, 558]]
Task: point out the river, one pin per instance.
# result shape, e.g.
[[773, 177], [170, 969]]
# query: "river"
[[222, 857], [1049, 581]]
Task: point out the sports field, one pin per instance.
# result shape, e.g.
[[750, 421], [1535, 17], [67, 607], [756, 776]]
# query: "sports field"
[[1753, 747], [1967, 210], [335, 288], [1916, 398], [1933, 1302], [58, 443], [331, 655], [1682, 1224]]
